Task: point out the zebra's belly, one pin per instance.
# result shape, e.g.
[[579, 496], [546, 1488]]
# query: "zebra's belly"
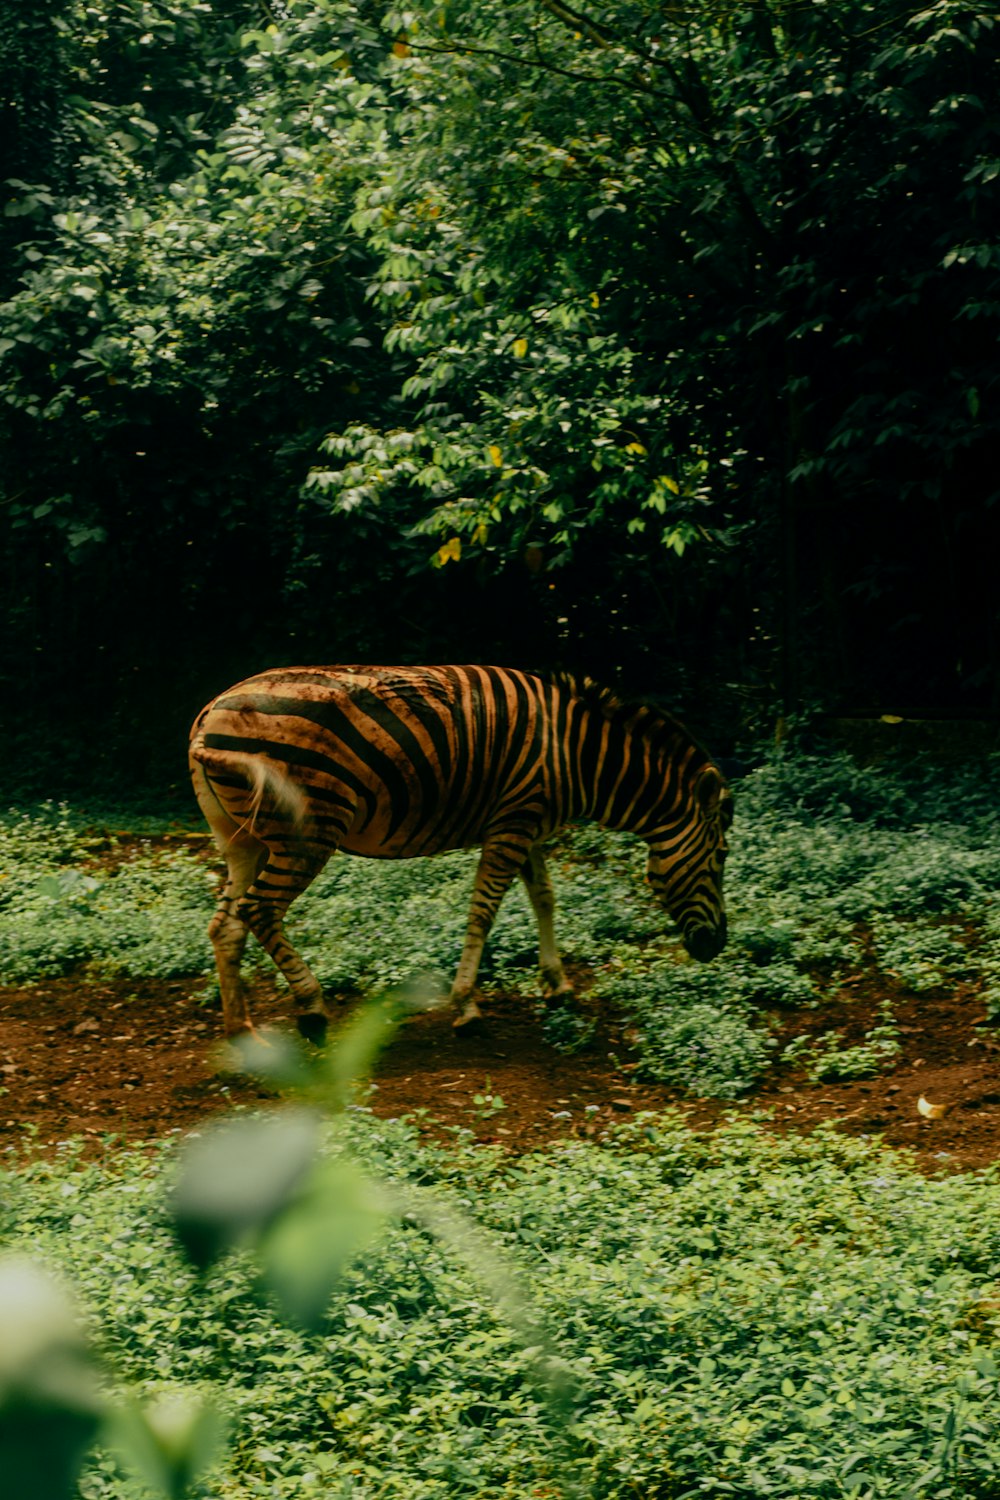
[[403, 853], [377, 841]]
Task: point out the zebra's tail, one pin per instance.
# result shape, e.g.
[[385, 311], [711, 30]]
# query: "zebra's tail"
[[271, 788]]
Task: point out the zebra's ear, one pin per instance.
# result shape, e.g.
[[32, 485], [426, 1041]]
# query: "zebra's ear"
[[709, 787]]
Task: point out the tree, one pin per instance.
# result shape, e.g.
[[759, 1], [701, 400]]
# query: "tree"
[[652, 340], [704, 280]]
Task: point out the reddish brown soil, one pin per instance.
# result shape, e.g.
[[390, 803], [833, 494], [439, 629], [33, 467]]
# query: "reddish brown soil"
[[137, 1060]]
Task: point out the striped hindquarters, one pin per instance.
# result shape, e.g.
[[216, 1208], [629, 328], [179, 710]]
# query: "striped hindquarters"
[[390, 762]]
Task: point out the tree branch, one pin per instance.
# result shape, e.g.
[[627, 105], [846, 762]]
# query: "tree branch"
[[461, 49], [688, 92], [573, 18]]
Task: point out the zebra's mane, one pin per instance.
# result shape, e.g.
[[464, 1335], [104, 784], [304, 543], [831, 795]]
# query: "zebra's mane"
[[613, 705]]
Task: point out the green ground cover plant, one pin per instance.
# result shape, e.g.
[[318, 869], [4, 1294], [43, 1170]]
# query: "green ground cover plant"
[[835, 869], [734, 1314], [64, 911], [825, 1056]]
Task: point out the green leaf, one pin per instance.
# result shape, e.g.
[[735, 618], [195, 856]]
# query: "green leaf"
[[50, 1401], [171, 1443], [352, 1050], [237, 1177], [273, 1056], [314, 1240]]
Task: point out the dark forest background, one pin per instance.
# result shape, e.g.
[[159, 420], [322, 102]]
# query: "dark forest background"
[[654, 340]]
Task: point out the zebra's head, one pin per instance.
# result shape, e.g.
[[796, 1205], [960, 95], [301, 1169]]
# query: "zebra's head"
[[686, 859]]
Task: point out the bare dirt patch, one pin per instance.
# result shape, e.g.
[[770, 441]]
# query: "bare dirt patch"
[[949, 1057], [134, 1061]]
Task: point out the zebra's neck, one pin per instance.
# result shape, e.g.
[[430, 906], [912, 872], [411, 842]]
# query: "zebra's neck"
[[630, 768]]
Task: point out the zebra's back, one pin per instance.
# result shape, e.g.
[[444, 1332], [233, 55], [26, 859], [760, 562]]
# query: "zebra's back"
[[398, 761]]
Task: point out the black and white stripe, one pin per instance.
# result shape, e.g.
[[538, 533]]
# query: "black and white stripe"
[[398, 762]]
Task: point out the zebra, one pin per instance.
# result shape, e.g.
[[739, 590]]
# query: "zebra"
[[405, 761]]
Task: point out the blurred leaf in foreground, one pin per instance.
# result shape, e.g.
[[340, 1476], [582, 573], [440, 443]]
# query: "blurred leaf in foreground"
[[170, 1443], [237, 1177], [50, 1402]]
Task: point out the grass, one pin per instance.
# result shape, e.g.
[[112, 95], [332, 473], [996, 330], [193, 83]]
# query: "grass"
[[737, 1314], [833, 868]]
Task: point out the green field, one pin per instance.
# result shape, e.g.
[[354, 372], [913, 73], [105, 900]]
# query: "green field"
[[835, 870], [734, 1316], [653, 1314]]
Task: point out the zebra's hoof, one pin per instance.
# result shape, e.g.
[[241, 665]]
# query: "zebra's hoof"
[[312, 1026]]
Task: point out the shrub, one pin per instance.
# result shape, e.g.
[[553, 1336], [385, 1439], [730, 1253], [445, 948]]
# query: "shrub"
[[738, 1313]]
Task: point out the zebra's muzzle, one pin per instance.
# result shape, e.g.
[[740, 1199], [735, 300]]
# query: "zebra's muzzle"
[[705, 943]]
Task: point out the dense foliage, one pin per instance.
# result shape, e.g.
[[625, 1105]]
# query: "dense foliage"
[[736, 1315], [656, 339], [834, 869], [647, 1312]]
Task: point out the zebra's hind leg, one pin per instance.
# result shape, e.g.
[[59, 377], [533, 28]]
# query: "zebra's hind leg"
[[535, 875], [245, 857], [284, 876]]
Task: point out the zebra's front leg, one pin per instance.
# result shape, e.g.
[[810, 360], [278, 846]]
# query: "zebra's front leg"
[[498, 864], [535, 875]]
